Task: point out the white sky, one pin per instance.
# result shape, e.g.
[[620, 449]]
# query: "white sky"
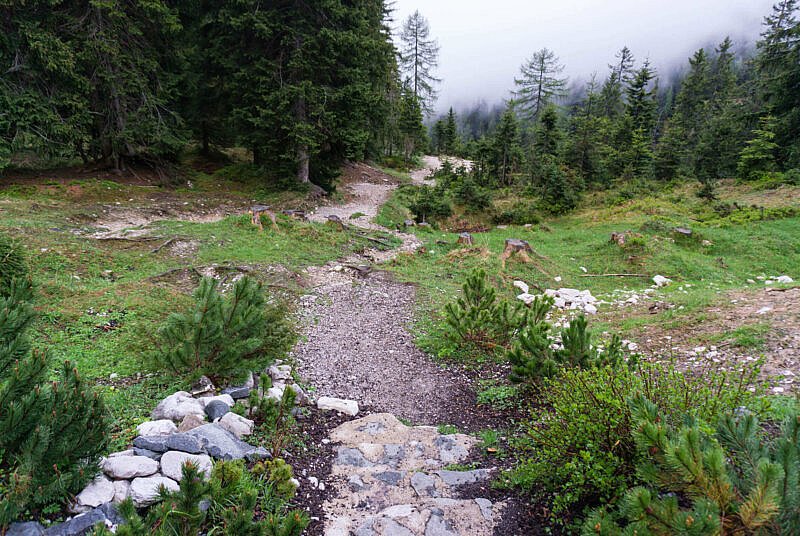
[[484, 43]]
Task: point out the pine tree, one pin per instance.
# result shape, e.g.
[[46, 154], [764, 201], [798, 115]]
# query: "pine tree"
[[758, 156], [584, 150], [410, 126], [419, 57], [51, 432], [539, 83], [451, 139], [506, 149], [621, 72]]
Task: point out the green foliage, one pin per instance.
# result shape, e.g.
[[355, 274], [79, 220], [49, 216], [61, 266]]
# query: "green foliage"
[[581, 451], [733, 480], [478, 318], [503, 397], [239, 502], [758, 157], [537, 353], [12, 264], [275, 417], [223, 336], [520, 213], [429, 204], [52, 432]]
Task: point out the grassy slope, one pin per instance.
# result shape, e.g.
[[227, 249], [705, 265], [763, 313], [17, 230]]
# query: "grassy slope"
[[85, 284], [742, 247]]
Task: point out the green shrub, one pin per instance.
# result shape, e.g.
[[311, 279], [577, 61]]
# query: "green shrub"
[[467, 193], [478, 318], [729, 481], [275, 417], [502, 397], [537, 354], [224, 336], [429, 204], [580, 451], [520, 213], [239, 503], [12, 264], [52, 432]]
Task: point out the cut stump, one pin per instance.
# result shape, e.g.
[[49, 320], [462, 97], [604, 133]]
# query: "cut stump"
[[256, 211], [516, 248], [465, 239]]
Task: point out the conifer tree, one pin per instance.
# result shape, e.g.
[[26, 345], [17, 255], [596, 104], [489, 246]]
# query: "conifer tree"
[[621, 72], [539, 83], [758, 156], [506, 148], [51, 432], [419, 57], [412, 130], [451, 138]]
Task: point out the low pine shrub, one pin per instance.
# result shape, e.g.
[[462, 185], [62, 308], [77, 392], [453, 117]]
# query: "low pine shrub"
[[732, 480], [52, 432], [12, 264], [273, 416], [224, 336], [429, 204]]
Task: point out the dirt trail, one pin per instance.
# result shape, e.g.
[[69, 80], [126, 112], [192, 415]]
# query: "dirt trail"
[[357, 344]]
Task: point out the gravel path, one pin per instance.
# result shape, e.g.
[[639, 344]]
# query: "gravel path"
[[357, 344]]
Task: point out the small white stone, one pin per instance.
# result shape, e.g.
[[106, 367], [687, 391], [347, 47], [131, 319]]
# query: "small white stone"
[[172, 464], [99, 492], [348, 407], [661, 281], [784, 279], [557, 279], [144, 491], [227, 399], [764, 310], [157, 428], [126, 467], [522, 286], [236, 424], [584, 270]]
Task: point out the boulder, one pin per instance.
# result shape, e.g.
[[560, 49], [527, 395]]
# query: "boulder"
[[237, 393], [280, 373], [348, 407], [181, 442], [99, 492], [177, 406], [128, 452], [190, 422], [236, 424], [661, 281], [122, 490], [203, 387], [301, 398], [144, 491], [226, 399], [221, 444], [217, 409], [172, 464], [154, 428], [29, 528], [147, 453], [127, 467]]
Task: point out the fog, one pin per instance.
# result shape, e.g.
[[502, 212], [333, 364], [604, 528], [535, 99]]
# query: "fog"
[[484, 43]]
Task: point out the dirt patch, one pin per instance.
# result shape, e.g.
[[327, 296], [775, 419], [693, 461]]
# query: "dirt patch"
[[714, 338]]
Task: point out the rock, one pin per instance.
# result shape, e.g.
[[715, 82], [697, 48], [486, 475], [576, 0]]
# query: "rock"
[[128, 452], [28, 528], [459, 478], [203, 386], [348, 407], [81, 524], [236, 424], [661, 281], [237, 393], [122, 490], [221, 444], [685, 231], [226, 399], [127, 467], [154, 428], [177, 406], [353, 457], [522, 286], [275, 392], [190, 422], [785, 279], [280, 373], [486, 508], [144, 491], [391, 478], [100, 491], [409, 223], [172, 464], [217, 409], [156, 444], [424, 485], [147, 453], [590, 309], [301, 398], [439, 526]]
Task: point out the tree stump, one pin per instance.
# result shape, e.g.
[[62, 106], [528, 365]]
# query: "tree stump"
[[622, 238], [465, 239], [296, 214], [409, 223], [256, 211], [518, 248]]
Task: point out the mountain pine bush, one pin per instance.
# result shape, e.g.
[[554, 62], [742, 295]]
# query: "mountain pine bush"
[[12, 264], [733, 480], [223, 336], [52, 432]]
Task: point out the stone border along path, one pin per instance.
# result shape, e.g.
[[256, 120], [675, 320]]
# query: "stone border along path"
[[388, 479]]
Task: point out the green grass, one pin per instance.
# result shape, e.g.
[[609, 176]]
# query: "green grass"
[[749, 337]]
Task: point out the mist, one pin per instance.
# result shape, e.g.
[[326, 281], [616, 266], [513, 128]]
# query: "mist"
[[484, 43]]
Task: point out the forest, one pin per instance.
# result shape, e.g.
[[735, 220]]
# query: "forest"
[[258, 276]]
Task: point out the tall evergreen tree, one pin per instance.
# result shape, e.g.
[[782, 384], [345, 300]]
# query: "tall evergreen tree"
[[506, 148], [412, 130], [419, 57], [621, 72], [451, 138], [539, 83]]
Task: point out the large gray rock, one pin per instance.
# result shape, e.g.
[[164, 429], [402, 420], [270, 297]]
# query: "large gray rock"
[[177, 406], [100, 491], [154, 428], [216, 409], [122, 490], [190, 422], [220, 444], [280, 373], [226, 399], [127, 467], [147, 453], [181, 442], [144, 491], [241, 391], [172, 464], [237, 425], [84, 524], [29, 528]]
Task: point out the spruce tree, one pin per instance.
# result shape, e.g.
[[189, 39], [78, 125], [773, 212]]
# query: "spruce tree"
[[451, 138], [52, 432], [412, 131], [506, 149], [611, 95], [539, 83], [419, 57]]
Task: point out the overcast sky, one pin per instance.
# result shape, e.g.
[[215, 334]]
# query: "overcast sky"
[[483, 43]]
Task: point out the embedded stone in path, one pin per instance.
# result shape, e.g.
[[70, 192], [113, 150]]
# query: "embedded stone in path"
[[348, 407], [393, 479]]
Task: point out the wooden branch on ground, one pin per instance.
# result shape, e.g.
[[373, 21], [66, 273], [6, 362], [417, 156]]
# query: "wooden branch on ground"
[[165, 244], [125, 239], [376, 240]]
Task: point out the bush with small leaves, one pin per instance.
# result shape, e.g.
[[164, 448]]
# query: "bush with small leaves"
[[224, 336], [273, 416], [12, 264]]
